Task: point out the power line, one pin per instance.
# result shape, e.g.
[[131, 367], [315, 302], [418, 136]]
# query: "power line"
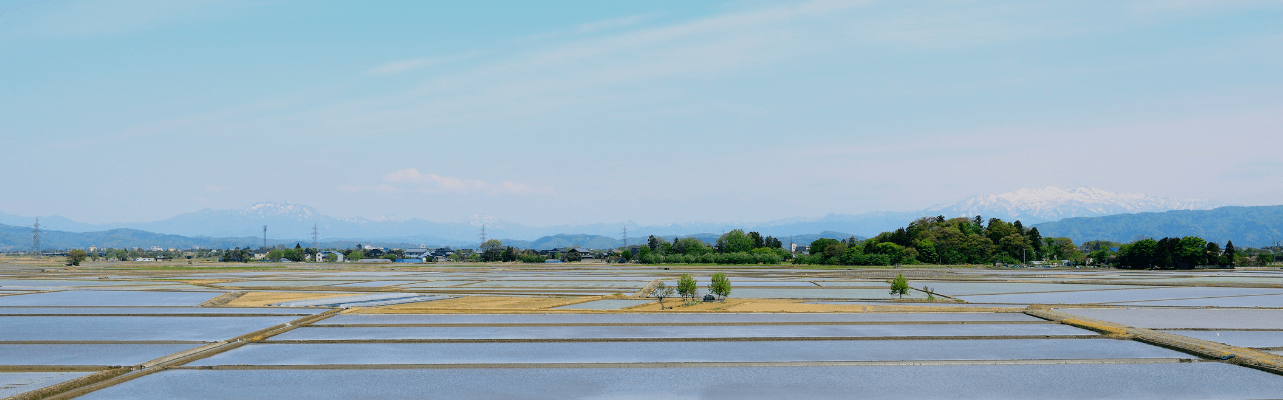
[[315, 233], [625, 235], [264, 236], [483, 233]]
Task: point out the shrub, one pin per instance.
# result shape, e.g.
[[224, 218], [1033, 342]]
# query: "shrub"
[[899, 285]]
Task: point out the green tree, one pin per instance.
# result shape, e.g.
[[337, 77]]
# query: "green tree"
[[1229, 252], [998, 229], [1139, 254], [661, 291], [690, 245], [772, 243], [819, 245], [1035, 239], [720, 286], [893, 251], [735, 241], [491, 250], [1212, 253], [74, 257], [1192, 252], [653, 242], [686, 287], [572, 256], [833, 253], [927, 252], [492, 244], [899, 285], [1016, 246]]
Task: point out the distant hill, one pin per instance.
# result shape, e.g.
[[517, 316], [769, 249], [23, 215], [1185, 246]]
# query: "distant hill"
[[288, 221], [1246, 226], [18, 238]]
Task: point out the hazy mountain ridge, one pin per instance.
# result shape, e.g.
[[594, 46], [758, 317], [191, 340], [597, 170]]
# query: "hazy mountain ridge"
[[290, 221], [1246, 226]]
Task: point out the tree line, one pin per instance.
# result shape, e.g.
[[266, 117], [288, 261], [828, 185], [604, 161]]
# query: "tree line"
[[939, 240], [734, 247]]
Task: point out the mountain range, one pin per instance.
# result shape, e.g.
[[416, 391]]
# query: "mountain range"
[[293, 222], [1246, 226]]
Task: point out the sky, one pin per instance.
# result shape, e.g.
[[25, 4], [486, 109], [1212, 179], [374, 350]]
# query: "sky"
[[654, 111]]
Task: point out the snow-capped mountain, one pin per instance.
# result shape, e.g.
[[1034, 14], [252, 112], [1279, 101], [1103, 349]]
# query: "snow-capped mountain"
[[1052, 203]]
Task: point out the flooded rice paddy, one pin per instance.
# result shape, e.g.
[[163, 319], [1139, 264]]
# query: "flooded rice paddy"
[[1047, 381], [593, 331]]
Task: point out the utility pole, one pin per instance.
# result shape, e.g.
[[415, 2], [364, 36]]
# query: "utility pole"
[[264, 237], [315, 233], [35, 238]]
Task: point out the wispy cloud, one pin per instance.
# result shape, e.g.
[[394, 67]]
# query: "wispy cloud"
[[409, 65], [411, 180]]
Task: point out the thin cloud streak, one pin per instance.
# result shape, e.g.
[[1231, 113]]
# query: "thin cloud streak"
[[411, 180]]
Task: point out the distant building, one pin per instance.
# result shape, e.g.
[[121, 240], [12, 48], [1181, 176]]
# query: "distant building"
[[144, 259], [320, 256], [419, 253], [798, 248], [157, 248]]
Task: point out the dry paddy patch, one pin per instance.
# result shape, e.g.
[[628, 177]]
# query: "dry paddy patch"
[[263, 299], [481, 303], [801, 306]]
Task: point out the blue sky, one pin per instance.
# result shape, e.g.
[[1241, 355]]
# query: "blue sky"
[[653, 111]]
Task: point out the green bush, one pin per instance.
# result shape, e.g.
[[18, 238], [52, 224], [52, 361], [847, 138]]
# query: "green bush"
[[899, 285]]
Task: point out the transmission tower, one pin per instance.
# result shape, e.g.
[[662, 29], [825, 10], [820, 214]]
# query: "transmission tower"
[[483, 233], [625, 235], [35, 238], [315, 233], [264, 236]]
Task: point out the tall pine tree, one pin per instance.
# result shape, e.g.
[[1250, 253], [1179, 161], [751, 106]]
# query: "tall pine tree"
[[1035, 239]]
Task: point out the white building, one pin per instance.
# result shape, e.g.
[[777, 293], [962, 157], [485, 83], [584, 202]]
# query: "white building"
[[320, 256]]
